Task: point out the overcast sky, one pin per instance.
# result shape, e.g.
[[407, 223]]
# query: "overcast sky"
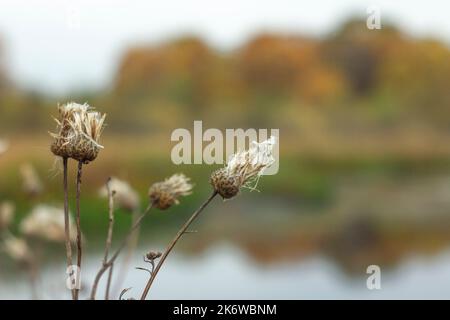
[[59, 46]]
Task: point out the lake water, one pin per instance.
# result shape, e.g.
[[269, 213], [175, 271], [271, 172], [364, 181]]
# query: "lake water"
[[224, 272]]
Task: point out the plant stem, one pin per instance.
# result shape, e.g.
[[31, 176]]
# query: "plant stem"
[[79, 249], [110, 233], [174, 241], [66, 219], [132, 243], [108, 284], [111, 220], [110, 262]]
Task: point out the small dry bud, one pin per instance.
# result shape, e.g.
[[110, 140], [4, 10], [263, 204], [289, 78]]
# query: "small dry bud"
[[152, 255], [166, 193], [243, 169], [78, 132], [227, 186]]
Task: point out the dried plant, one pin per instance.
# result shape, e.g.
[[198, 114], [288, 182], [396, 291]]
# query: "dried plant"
[[77, 136], [243, 169], [78, 132], [171, 189], [128, 200], [166, 193]]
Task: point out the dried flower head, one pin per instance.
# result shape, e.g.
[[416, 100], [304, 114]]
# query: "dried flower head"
[[47, 223], [6, 214], [125, 196], [166, 193], [79, 128], [243, 169], [32, 185], [17, 249], [152, 255]]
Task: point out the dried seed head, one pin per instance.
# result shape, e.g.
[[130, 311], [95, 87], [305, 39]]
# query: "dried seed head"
[[32, 185], [47, 223], [227, 186], [79, 128], [166, 193], [243, 169], [17, 249], [125, 196], [152, 255], [6, 214]]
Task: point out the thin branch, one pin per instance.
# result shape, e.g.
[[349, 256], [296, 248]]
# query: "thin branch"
[[66, 219], [79, 249], [174, 241], [110, 221], [110, 262], [123, 292], [108, 284], [144, 269], [110, 233]]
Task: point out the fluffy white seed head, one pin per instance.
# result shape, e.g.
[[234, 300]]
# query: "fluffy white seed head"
[[166, 193], [243, 169]]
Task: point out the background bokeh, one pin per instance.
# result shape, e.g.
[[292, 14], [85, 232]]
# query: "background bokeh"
[[364, 119]]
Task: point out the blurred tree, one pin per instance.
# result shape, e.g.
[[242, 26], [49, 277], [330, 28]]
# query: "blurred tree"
[[358, 52]]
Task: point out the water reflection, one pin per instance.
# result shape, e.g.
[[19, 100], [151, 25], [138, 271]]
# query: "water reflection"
[[224, 272]]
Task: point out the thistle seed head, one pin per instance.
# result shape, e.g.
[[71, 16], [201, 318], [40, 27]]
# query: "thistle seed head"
[[166, 193], [152, 255], [243, 169], [227, 186], [47, 223], [78, 132], [125, 196]]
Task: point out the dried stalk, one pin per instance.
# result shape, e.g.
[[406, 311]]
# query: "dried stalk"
[[132, 243], [108, 284], [182, 231], [110, 262], [110, 234], [79, 248], [66, 219]]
